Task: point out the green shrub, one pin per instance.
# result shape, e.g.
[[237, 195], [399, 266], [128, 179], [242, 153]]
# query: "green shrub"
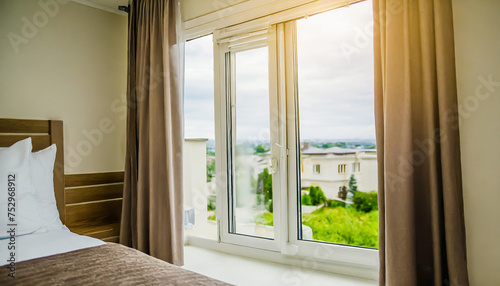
[[269, 206], [211, 204], [212, 217], [365, 202], [264, 189], [344, 225], [334, 204], [317, 195], [264, 219], [306, 200]]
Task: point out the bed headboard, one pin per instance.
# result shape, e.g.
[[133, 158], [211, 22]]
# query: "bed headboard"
[[43, 133]]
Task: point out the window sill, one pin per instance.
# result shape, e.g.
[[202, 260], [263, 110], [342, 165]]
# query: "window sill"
[[361, 270]]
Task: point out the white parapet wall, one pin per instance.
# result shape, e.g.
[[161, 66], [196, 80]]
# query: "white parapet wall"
[[196, 187]]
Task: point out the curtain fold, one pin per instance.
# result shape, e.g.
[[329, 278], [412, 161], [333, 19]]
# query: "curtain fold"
[[422, 234], [152, 215]]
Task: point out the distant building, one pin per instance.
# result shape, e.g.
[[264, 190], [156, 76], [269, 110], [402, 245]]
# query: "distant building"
[[331, 168], [196, 188]]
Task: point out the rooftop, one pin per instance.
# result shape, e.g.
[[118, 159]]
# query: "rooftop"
[[311, 150]]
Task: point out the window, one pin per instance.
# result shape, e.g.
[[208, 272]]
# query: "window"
[[269, 194], [199, 144], [342, 168], [335, 103], [250, 143], [356, 167], [316, 168]]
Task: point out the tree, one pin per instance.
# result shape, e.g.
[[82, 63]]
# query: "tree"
[[261, 149], [210, 171], [306, 200], [343, 193], [265, 188], [317, 195], [353, 185]]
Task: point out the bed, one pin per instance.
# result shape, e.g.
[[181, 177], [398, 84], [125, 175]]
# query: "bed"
[[59, 256]]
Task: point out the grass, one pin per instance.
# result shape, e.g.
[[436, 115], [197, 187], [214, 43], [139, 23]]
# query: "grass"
[[336, 225], [344, 226]]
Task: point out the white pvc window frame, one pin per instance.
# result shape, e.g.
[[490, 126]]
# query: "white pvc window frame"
[[278, 33], [225, 51]]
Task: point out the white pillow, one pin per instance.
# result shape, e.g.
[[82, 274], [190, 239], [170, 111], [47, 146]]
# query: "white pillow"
[[42, 175], [14, 164]]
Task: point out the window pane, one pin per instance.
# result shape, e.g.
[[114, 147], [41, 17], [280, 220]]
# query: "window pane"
[[337, 130], [252, 186], [199, 144]]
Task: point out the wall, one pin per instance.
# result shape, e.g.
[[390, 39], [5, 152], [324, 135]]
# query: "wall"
[[191, 9], [68, 62], [478, 58], [196, 187]]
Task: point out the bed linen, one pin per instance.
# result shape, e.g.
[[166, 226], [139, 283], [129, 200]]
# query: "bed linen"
[[45, 244], [108, 264]]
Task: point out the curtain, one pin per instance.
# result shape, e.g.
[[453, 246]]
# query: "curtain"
[[152, 215], [422, 235]]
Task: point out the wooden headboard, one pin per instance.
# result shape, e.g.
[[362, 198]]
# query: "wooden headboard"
[[94, 204], [43, 133], [88, 204]]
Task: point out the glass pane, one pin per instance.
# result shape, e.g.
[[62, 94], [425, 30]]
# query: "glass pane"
[[199, 143], [252, 189], [337, 127]]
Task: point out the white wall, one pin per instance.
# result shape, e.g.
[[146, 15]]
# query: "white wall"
[[196, 187], [69, 64], [477, 40]]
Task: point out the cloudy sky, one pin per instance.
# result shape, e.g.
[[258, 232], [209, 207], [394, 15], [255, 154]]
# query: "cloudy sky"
[[335, 78]]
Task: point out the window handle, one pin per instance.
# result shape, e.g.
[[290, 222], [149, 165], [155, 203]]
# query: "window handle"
[[274, 165]]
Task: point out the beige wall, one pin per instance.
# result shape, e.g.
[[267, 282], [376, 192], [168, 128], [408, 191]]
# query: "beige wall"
[[478, 58], [191, 9], [71, 67]]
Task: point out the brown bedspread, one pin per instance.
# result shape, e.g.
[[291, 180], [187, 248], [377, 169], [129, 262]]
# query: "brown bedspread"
[[109, 264]]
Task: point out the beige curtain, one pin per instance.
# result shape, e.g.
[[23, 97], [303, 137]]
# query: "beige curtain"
[[422, 236], [152, 215]]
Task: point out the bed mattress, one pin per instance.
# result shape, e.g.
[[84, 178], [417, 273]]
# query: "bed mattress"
[[108, 264]]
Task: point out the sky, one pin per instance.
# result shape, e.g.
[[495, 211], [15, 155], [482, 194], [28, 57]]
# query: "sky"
[[335, 78]]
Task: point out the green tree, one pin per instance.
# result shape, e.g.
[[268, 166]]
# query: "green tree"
[[317, 195], [261, 149], [210, 171], [330, 145], [353, 185], [306, 200], [365, 202], [265, 189], [343, 193]]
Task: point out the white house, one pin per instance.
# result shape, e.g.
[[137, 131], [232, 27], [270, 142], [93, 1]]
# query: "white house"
[[331, 168]]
